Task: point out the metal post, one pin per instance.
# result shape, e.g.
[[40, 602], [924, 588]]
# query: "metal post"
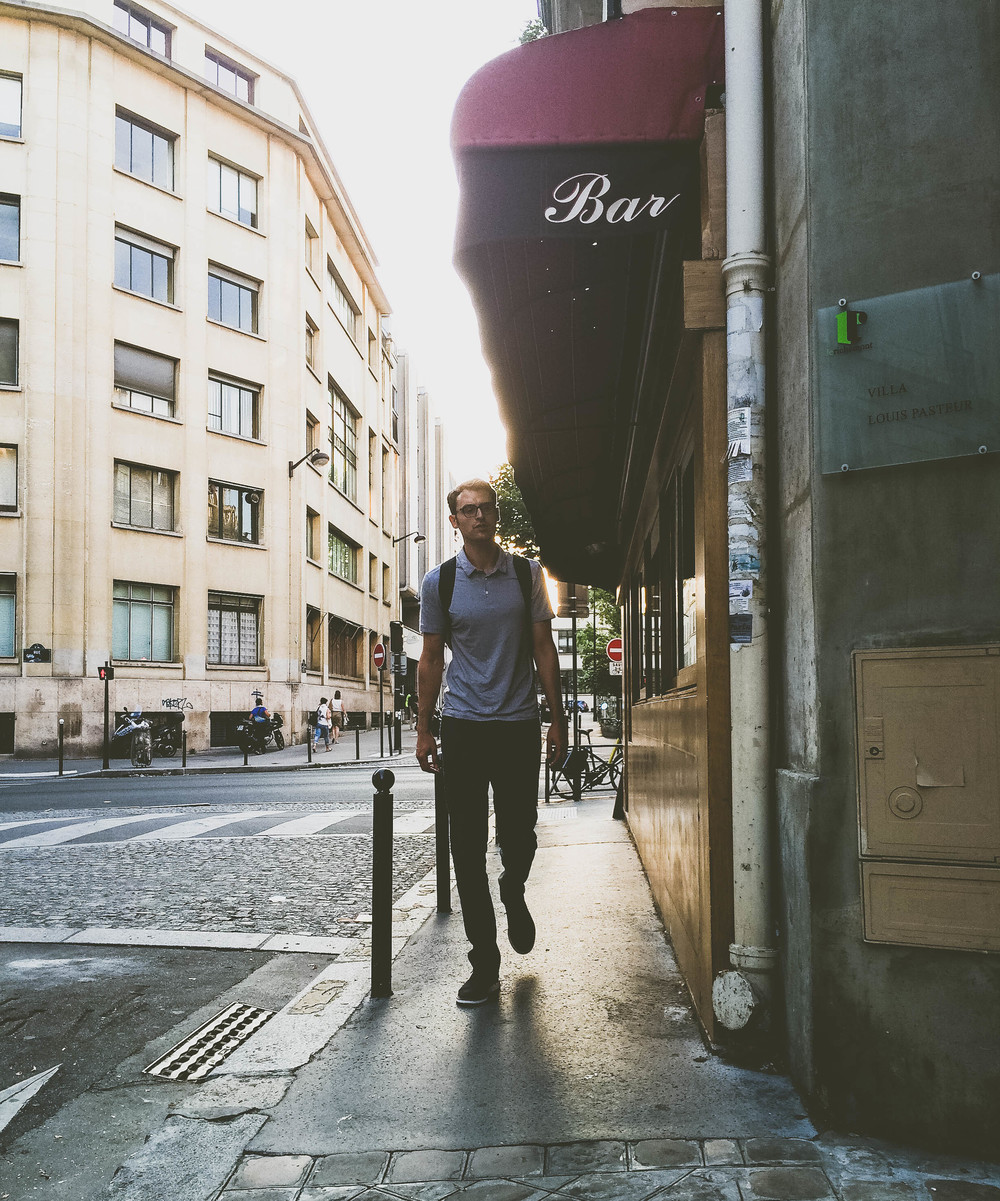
[[381, 725], [357, 743], [184, 748], [548, 780], [246, 755], [106, 763], [309, 742], [383, 779], [441, 841], [62, 731], [577, 775], [398, 728]]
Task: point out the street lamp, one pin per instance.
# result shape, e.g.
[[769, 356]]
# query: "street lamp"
[[318, 458], [412, 534]]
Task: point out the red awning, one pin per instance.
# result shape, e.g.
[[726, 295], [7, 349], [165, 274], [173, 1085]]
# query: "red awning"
[[639, 79], [578, 171]]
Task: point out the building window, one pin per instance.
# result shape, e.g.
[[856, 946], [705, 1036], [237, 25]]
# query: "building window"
[[144, 496], [314, 639], [144, 151], [312, 432], [342, 556], [232, 300], [226, 75], [10, 106], [386, 583], [144, 380], [142, 623], [8, 351], [372, 445], [395, 416], [232, 193], [343, 444], [372, 351], [8, 478], [343, 643], [373, 575], [233, 629], [386, 490], [312, 248], [144, 266], [343, 305], [686, 580], [564, 641], [10, 228], [312, 535], [8, 613], [233, 407], [233, 512], [142, 28], [312, 337]]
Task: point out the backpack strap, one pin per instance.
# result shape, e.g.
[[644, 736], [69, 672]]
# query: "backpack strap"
[[446, 589]]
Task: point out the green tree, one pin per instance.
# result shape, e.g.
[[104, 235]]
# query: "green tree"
[[532, 31], [514, 529]]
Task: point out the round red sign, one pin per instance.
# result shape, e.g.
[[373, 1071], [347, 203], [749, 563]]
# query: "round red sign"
[[378, 655], [615, 650]]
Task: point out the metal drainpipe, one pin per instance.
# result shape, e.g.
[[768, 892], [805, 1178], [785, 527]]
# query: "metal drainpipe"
[[742, 994]]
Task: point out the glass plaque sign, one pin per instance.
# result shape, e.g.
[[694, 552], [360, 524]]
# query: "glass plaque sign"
[[910, 377]]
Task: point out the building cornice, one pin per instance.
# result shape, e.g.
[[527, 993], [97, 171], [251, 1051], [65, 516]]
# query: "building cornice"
[[319, 166]]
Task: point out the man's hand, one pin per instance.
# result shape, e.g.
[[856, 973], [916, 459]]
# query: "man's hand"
[[556, 742], [427, 752]]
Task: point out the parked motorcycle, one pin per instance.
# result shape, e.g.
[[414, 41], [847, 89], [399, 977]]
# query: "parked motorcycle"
[[132, 725], [164, 739], [254, 736]]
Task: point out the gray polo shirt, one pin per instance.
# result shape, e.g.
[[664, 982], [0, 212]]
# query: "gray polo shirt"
[[491, 675]]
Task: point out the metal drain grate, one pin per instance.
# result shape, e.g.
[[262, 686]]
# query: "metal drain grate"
[[197, 1054]]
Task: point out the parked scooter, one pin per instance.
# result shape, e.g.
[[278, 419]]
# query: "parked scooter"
[[255, 736], [164, 738], [132, 725]]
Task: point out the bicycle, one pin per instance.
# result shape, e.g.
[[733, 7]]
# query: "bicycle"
[[594, 771]]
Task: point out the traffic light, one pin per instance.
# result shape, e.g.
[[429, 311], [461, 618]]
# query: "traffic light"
[[396, 637], [106, 672]]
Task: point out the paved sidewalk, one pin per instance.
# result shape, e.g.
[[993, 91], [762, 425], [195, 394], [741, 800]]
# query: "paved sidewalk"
[[367, 743], [588, 1080]]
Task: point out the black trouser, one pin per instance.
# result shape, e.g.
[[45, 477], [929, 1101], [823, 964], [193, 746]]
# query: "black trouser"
[[506, 755]]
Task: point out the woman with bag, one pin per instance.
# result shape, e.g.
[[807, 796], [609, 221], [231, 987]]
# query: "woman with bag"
[[338, 715], [323, 722]]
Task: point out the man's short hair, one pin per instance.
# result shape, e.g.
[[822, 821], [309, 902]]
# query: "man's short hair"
[[470, 486]]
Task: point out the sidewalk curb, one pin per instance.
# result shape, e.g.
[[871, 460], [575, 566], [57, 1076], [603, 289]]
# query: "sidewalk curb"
[[114, 773]]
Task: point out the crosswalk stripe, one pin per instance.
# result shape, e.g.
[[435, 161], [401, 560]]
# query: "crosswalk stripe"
[[300, 826], [200, 825], [51, 838], [35, 821], [412, 823], [311, 824]]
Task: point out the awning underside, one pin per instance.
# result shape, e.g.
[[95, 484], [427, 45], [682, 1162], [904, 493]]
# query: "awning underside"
[[578, 174]]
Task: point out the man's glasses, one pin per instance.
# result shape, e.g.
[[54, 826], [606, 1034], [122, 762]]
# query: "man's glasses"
[[487, 510]]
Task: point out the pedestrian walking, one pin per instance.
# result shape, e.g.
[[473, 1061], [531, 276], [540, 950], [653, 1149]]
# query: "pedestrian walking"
[[338, 714], [493, 610], [322, 724]]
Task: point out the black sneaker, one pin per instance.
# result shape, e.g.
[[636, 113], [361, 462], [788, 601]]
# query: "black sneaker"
[[478, 989], [520, 925]]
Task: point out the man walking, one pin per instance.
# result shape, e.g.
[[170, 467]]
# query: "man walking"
[[494, 612]]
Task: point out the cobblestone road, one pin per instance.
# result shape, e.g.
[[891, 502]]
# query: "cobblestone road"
[[319, 885]]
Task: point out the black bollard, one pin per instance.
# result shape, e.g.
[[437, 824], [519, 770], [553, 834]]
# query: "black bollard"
[[62, 731], [246, 755], [548, 781], [309, 743], [357, 742], [184, 748], [383, 779], [441, 842]]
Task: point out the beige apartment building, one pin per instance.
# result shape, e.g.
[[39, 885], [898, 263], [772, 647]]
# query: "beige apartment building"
[[188, 308]]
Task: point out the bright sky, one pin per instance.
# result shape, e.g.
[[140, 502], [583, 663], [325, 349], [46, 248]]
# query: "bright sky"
[[381, 78]]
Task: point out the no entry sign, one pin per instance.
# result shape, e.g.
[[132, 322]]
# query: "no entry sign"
[[615, 650], [378, 655]]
